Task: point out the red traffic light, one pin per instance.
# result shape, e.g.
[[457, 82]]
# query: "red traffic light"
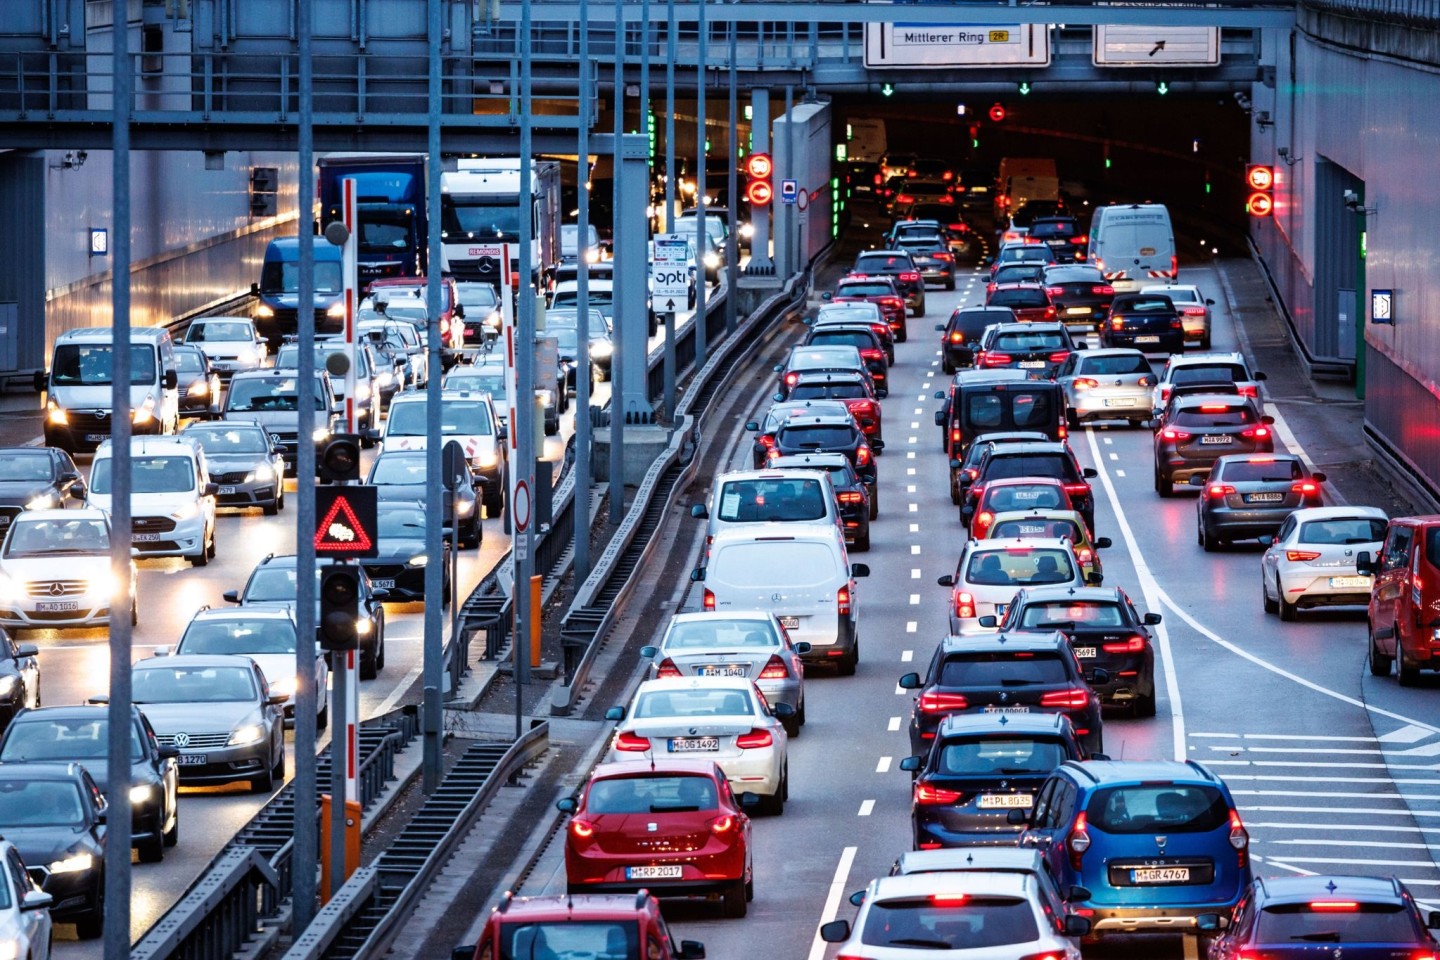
[[1260, 205], [759, 192], [997, 112], [1260, 177], [759, 165]]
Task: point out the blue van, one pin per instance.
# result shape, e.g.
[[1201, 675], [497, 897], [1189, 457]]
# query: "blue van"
[[279, 289], [1151, 844]]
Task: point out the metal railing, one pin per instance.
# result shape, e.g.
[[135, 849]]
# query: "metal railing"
[[1413, 13]]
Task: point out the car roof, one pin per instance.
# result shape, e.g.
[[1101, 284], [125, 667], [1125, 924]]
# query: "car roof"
[[918, 885], [88, 711], [75, 513], [1018, 285], [1197, 400], [969, 858], [1333, 513], [1193, 359], [1103, 772], [420, 396], [1019, 326], [1306, 889], [828, 376], [1049, 594], [819, 531], [1037, 513], [243, 613], [989, 642], [575, 906], [1020, 481], [194, 660], [1028, 447], [42, 769], [682, 684], [713, 616], [1112, 352], [819, 419], [660, 765], [975, 723], [766, 473], [799, 460]]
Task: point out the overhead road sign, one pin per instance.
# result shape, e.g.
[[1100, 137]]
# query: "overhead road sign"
[[1142, 46], [908, 45]]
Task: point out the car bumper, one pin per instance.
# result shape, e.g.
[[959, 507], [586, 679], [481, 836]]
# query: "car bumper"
[[244, 495], [186, 539], [829, 641], [782, 691], [959, 356], [931, 834], [1244, 523], [74, 894], [88, 613], [1197, 328], [1163, 342], [1134, 405], [227, 368], [1175, 918], [1311, 589], [404, 582], [226, 764], [701, 873]]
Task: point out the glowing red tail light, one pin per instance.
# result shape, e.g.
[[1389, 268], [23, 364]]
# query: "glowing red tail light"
[[862, 455], [1049, 313], [1042, 956], [775, 669], [1059, 356], [947, 175], [766, 440], [910, 277], [791, 379], [942, 256], [1117, 323], [1239, 839], [1249, 390], [667, 668], [1084, 555], [957, 336], [1133, 645], [1301, 556], [1055, 291], [842, 601], [582, 829], [872, 354], [1076, 488], [850, 496], [964, 604], [1334, 906], [904, 198], [1085, 383], [723, 824], [709, 599], [1170, 433], [1218, 490], [1078, 841], [878, 179], [755, 739], [927, 794], [933, 701], [1073, 698], [1193, 311], [1079, 240], [954, 436], [1103, 291], [1258, 433], [880, 328], [895, 303], [1174, 265], [983, 519], [1307, 488], [631, 743], [1177, 324], [996, 359]]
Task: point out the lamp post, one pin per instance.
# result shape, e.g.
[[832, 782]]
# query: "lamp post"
[[582, 314], [702, 246]]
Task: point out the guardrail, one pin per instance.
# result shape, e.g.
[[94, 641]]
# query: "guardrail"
[[348, 925]]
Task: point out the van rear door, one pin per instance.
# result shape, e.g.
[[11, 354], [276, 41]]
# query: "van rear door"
[[792, 578]]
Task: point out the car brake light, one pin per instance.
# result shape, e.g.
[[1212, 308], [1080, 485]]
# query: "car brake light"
[[964, 605], [722, 824], [1059, 356], [1300, 556], [1079, 240], [942, 256], [1146, 381], [1055, 291], [709, 599], [1084, 555], [933, 701], [893, 302], [631, 743], [1306, 488], [873, 354], [1218, 490], [996, 359], [667, 668], [1176, 324], [955, 436], [1164, 394], [878, 179], [1103, 291], [1259, 433], [1063, 431], [1249, 390], [755, 739], [927, 794], [1170, 433], [766, 440], [1073, 698], [1085, 383], [910, 277], [1174, 265], [1133, 645], [842, 601], [957, 336], [850, 496], [582, 829], [774, 670], [1338, 906], [947, 175], [960, 227], [862, 455], [983, 519], [1049, 313], [791, 379], [904, 198], [1117, 323], [1042, 956], [1074, 488], [1239, 839], [1078, 841]]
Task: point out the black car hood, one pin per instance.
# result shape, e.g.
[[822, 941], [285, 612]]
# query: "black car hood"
[[395, 550], [21, 492], [41, 846]]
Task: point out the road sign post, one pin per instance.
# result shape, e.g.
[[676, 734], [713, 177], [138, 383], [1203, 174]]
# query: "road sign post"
[[350, 256]]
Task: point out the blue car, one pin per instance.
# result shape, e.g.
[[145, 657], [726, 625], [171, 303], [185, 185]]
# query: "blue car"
[[1361, 918], [1154, 844]]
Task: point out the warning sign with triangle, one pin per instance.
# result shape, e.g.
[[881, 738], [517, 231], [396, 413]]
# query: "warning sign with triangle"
[[348, 520]]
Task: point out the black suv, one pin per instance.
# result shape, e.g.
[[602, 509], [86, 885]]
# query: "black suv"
[[1197, 430], [999, 461], [832, 434], [1080, 294], [960, 335], [766, 427], [1004, 673], [1063, 235], [897, 264], [1106, 632], [851, 495], [1146, 321]]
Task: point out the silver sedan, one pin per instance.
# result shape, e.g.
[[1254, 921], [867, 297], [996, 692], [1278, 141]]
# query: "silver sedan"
[[745, 643], [1109, 384]]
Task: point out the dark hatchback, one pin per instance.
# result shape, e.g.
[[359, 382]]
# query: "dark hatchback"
[[766, 427], [1198, 430], [1251, 495], [979, 768], [862, 338], [852, 389], [851, 495], [960, 335], [831, 434], [1106, 632], [1037, 348], [54, 813], [1029, 301], [1005, 460], [36, 478], [896, 264], [199, 383], [879, 290], [851, 311], [1080, 294], [964, 471], [400, 561], [933, 258], [1063, 235], [1003, 674], [1146, 321]]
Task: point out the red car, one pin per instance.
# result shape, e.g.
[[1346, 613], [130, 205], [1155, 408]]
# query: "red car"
[[878, 289], [852, 389], [599, 925], [1011, 494], [672, 827]]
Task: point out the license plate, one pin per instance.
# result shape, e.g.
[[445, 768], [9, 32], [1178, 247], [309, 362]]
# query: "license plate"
[[790, 623], [192, 759], [96, 437], [694, 744], [1028, 529], [1005, 801], [1160, 875], [1264, 497], [1007, 709], [1216, 438], [1077, 311], [1147, 339], [1350, 582], [1084, 652], [1027, 494], [1120, 402], [724, 670], [665, 872], [384, 584], [144, 538], [226, 491], [57, 606], [1031, 364]]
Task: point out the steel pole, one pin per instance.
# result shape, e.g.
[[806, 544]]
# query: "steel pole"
[[583, 476], [524, 553], [432, 650], [732, 242], [117, 855], [617, 355], [702, 244], [307, 828], [670, 31]]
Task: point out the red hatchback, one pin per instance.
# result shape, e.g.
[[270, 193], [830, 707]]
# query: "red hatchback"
[[672, 827], [878, 289]]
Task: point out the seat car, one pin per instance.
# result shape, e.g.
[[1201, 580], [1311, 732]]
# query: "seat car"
[[1194, 309], [55, 571], [400, 562], [1106, 632], [1040, 524], [738, 643], [25, 924], [811, 433], [900, 265], [746, 497], [400, 476], [1290, 918], [482, 320], [1197, 430], [1197, 368], [964, 471], [1039, 348], [851, 494], [54, 814], [366, 402], [598, 924], [1250, 495], [673, 827], [221, 714], [776, 417], [1028, 300], [977, 769], [272, 585], [724, 719], [1054, 459], [1107, 384], [1311, 561], [468, 419], [1080, 294], [232, 344], [984, 402], [402, 343], [963, 916], [1008, 673], [246, 464], [199, 383], [1021, 252], [960, 335], [36, 478], [172, 501], [394, 291], [990, 571], [1146, 321], [563, 322], [80, 734], [1153, 844], [265, 636]]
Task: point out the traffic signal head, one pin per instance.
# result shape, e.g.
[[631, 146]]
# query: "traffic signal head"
[[339, 462], [759, 190], [1260, 178], [339, 607], [997, 112]]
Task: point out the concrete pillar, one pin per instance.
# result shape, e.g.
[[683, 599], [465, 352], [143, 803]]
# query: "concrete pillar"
[[760, 261], [631, 280]]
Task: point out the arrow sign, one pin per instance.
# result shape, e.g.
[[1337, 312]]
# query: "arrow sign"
[[349, 517], [1159, 45]]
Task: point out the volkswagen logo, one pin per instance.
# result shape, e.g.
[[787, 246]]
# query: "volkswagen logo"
[[182, 739], [1004, 696], [57, 589]]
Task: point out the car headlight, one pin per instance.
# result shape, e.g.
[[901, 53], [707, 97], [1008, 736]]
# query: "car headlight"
[[58, 414], [336, 311], [7, 685], [142, 793], [261, 474], [104, 584], [547, 397], [9, 589], [601, 348], [285, 685], [248, 358], [264, 311], [363, 626], [245, 735], [199, 389], [9, 950], [747, 230], [712, 260], [43, 502], [362, 391], [592, 256], [384, 380], [75, 864], [419, 560], [465, 507], [186, 511], [321, 434], [494, 320], [486, 459], [143, 413]]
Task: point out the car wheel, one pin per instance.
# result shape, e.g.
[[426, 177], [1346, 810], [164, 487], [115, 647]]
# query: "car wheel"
[[875, 502], [368, 668], [271, 508], [172, 836], [135, 612], [1380, 664], [203, 557], [862, 541], [847, 665], [1409, 672], [800, 714], [152, 851], [945, 365], [380, 646], [1207, 543], [1270, 605], [1289, 612], [1164, 485], [749, 890], [280, 495], [792, 727], [735, 904], [1145, 704], [1072, 420], [494, 498], [278, 771], [91, 926], [210, 545], [1205, 342], [264, 783]]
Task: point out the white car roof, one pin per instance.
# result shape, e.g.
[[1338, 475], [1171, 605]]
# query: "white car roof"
[[672, 684], [778, 532], [924, 884], [700, 616]]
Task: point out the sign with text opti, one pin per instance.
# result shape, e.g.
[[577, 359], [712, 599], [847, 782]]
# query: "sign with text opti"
[[671, 272], [347, 518], [1124, 46], [910, 45]]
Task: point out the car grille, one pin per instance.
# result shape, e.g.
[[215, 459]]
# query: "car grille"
[[66, 616], [484, 268], [88, 421], [48, 588], [236, 476], [198, 741], [151, 524]]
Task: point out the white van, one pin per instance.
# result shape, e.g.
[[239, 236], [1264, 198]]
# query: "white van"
[[1133, 245], [172, 501], [77, 413], [801, 574], [756, 497]]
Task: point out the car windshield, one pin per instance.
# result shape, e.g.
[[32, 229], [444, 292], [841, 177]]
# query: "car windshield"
[[968, 923], [268, 395], [720, 634], [829, 391], [189, 360], [194, 685], [1020, 566], [220, 439], [975, 321], [865, 290], [816, 437], [1214, 415], [1074, 275], [1113, 365], [654, 794], [1346, 922], [289, 356], [36, 538], [222, 331], [1029, 465], [40, 803], [1083, 613], [1062, 229], [987, 756], [273, 583], [1259, 471], [464, 418], [762, 563], [1003, 668], [1357, 530], [754, 501], [569, 938], [284, 277], [1209, 373], [148, 475], [88, 364], [1158, 808], [1181, 295], [39, 737], [1030, 340], [1144, 305], [407, 524], [658, 704], [271, 635], [1017, 273], [1034, 528], [392, 469], [600, 298], [20, 466], [843, 338], [1018, 298], [478, 295], [489, 380], [883, 263]]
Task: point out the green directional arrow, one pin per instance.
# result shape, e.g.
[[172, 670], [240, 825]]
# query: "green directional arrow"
[[887, 89], [1162, 88], [1024, 87]]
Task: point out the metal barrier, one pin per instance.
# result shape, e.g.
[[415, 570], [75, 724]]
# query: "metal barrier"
[[1418, 13]]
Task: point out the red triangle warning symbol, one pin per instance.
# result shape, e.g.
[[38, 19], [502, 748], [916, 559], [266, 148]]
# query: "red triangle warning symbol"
[[340, 530]]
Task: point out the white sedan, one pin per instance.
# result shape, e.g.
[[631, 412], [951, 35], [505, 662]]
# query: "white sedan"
[[24, 910], [725, 719], [1311, 562]]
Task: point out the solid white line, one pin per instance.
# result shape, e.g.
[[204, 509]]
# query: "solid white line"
[[389, 703], [1153, 593], [1358, 811], [1285, 779], [1406, 734], [911, 626], [893, 725], [1418, 797], [1368, 828], [907, 655], [1287, 437], [1362, 863], [1307, 764], [884, 765], [1287, 736], [832, 900], [866, 808], [1379, 844], [1325, 750]]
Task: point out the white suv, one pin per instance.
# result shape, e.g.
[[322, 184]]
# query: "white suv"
[[172, 501], [990, 572], [55, 571], [1206, 368]]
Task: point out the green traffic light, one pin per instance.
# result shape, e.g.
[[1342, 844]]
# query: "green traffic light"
[[974, 144], [1107, 163]]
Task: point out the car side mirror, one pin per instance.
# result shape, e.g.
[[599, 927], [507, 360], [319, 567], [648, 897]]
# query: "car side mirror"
[[946, 581], [463, 952], [1267, 541], [1150, 619], [1258, 375], [69, 476], [379, 593], [939, 328], [78, 491], [1207, 923], [1432, 920], [989, 620], [939, 394], [27, 650], [779, 368], [783, 711], [1017, 817], [859, 570], [1098, 756], [1089, 473], [36, 900], [211, 490], [836, 931], [954, 463], [41, 381], [857, 898], [1197, 481], [1102, 543], [161, 651], [172, 380], [1076, 926], [1364, 563], [1318, 477], [911, 681], [1101, 675], [503, 433], [1267, 419], [649, 652], [749, 800], [697, 574], [615, 713], [699, 512], [1094, 579], [232, 596], [169, 753], [827, 295], [1077, 893], [567, 805], [939, 418], [1082, 345], [753, 426], [275, 699], [690, 950], [911, 764]]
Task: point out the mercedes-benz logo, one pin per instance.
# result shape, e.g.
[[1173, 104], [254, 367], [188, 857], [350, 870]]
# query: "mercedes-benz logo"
[[774, 598], [182, 739], [57, 588]]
